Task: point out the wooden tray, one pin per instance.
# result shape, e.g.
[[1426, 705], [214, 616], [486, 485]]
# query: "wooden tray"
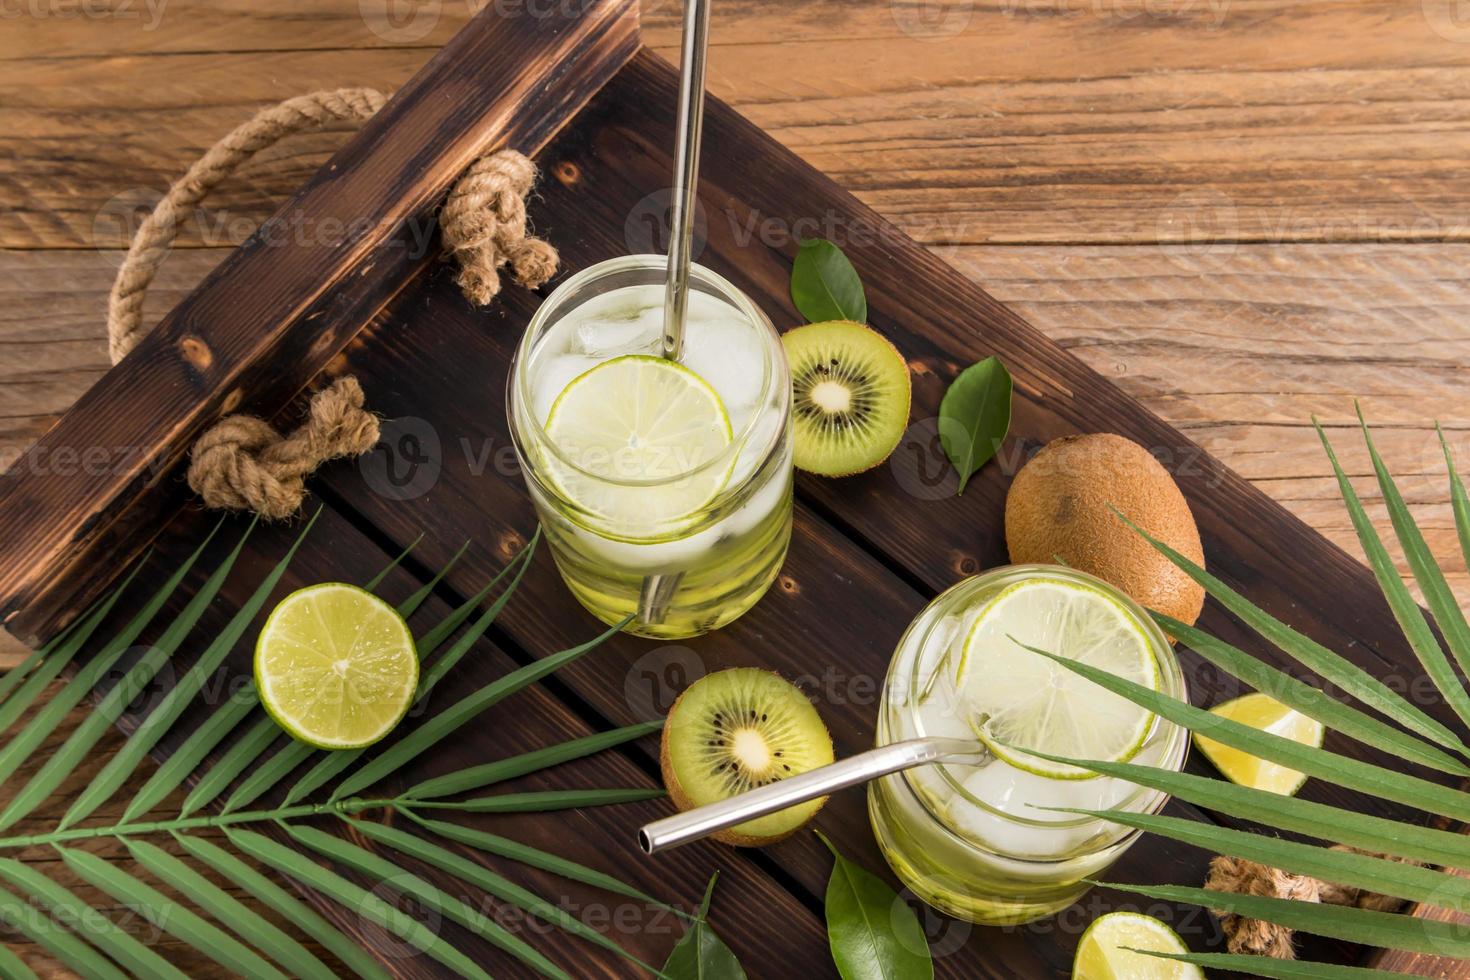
[[276, 320]]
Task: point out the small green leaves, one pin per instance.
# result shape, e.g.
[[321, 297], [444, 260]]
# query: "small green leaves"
[[701, 955], [975, 416], [874, 934], [825, 286]]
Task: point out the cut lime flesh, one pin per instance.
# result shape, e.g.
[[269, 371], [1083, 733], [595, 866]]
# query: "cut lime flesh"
[[336, 666], [1106, 951], [639, 440], [1018, 700], [1268, 715]]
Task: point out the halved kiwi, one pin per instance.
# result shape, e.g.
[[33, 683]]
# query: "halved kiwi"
[[851, 397], [737, 729]]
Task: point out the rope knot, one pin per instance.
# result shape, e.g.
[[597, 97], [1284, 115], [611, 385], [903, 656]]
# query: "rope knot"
[[243, 463], [484, 226]]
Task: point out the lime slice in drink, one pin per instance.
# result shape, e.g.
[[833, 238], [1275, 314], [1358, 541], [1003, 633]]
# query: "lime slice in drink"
[[335, 666], [1268, 715], [1106, 951], [644, 438], [1019, 700]]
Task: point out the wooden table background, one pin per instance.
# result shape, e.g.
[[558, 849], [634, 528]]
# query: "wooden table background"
[[1243, 211]]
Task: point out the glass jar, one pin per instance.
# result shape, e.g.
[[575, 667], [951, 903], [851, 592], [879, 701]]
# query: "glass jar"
[[676, 572], [969, 840]]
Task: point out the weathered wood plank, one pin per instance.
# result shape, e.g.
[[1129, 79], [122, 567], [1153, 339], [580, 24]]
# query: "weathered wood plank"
[[999, 121]]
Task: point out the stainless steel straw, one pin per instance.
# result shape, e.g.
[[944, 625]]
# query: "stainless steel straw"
[[657, 591], [705, 820], [686, 172]]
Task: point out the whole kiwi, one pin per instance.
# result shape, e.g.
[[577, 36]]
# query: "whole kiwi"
[[1061, 506]]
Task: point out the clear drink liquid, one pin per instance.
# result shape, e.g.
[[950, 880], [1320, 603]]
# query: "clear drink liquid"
[[974, 841], [677, 572]]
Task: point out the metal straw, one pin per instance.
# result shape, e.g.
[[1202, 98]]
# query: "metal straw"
[[657, 591], [705, 820], [686, 173]]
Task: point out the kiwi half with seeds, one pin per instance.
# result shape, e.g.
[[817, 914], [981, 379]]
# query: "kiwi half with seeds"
[[738, 729], [850, 401]]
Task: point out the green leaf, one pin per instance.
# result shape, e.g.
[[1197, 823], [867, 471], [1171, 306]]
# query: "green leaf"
[[105, 934], [411, 605], [1310, 701], [335, 763], [1437, 593], [13, 967], [60, 705], [52, 936], [355, 899], [371, 585], [174, 703], [242, 920], [873, 933], [1386, 929], [53, 659], [168, 915], [1264, 966], [1351, 773], [824, 285], [1353, 679], [178, 766], [541, 802], [1288, 813], [1458, 500], [282, 902], [444, 724], [525, 854], [478, 777], [975, 416], [240, 757], [702, 955], [1363, 871], [479, 876], [380, 869], [1405, 610]]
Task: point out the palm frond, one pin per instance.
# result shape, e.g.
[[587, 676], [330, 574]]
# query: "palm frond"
[[1459, 502], [256, 760], [1262, 966]]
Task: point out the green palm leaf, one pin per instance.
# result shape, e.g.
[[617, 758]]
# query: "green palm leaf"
[[1437, 593], [371, 585], [66, 946], [333, 764], [1309, 653], [479, 777], [355, 899], [100, 930], [276, 898], [541, 802], [14, 967], [1288, 813], [447, 722], [189, 756], [380, 869], [1405, 610], [244, 921], [1263, 966], [1459, 502], [168, 915], [237, 759], [1386, 929]]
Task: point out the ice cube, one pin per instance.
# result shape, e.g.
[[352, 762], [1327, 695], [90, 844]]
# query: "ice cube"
[[555, 373], [631, 330], [724, 349]]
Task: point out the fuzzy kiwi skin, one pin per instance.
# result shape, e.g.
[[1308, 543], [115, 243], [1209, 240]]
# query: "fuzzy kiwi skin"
[[682, 802], [1059, 506], [908, 396]]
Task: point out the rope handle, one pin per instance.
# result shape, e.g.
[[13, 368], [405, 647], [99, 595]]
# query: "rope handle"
[[242, 462]]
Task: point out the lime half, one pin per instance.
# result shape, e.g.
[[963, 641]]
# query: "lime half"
[[1019, 700], [1268, 715], [1106, 951], [336, 666], [644, 436]]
